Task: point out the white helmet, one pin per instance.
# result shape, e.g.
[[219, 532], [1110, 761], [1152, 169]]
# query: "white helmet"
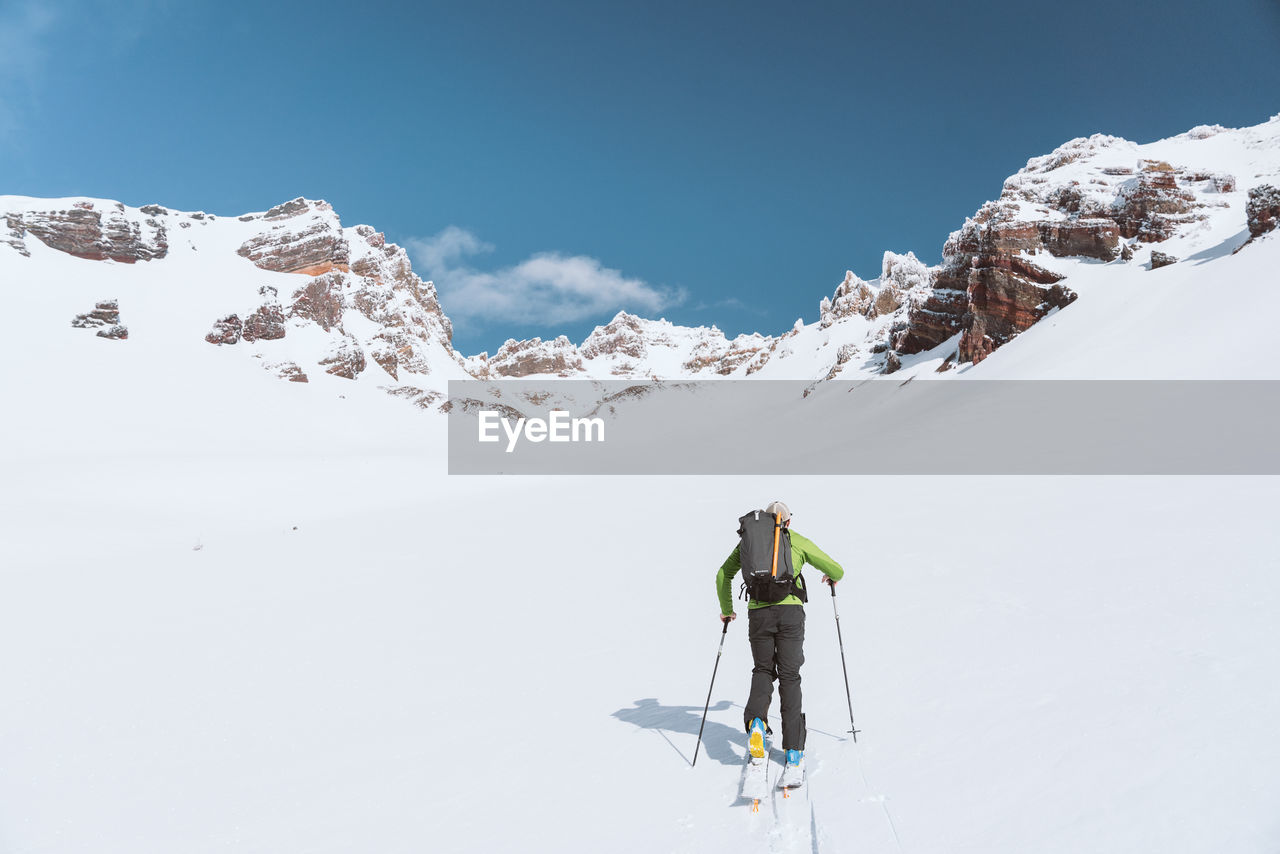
[[782, 511]]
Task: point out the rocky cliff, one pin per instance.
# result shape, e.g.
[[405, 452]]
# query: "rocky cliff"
[[355, 286], [1080, 201], [94, 230], [308, 296]]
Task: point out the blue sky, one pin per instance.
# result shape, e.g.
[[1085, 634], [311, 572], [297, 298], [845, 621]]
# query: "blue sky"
[[549, 163]]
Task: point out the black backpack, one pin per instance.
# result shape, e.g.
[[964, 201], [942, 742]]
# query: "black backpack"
[[764, 549]]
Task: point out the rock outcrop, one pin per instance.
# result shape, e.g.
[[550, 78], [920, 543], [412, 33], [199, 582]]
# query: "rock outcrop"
[[266, 323], [287, 371], [320, 300], [354, 280], [988, 289], [724, 357], [105, 317], [339, 298], [105, 313], [383, 288], [853, 296], [534, 356], [225, 330], [305, 237], [345, 359], [85, 231], [12, 233], [623, 336], [629, 346], [1262, 210]]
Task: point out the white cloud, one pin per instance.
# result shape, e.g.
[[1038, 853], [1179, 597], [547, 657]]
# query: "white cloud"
[[545, 288], [446, 248]]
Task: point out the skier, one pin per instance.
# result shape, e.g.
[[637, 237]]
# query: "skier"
[[776, 633]]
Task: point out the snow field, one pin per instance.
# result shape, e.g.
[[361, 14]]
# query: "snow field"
[[1072, 664]]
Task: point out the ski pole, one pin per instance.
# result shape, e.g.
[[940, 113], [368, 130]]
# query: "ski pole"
[[723, 633], [839, 636]]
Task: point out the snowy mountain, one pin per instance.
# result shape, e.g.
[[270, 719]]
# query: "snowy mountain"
[[1084, 218], [246, 613], [305, 296]]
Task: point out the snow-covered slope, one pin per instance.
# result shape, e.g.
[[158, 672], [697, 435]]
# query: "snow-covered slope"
[[245, 614], [1100, 234], [1100, 218], [320, 642], [290, 289]]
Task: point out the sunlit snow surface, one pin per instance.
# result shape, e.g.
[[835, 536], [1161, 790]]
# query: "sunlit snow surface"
[[240, 614]]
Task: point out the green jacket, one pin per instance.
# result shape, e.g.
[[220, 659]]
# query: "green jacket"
[[802, 551]]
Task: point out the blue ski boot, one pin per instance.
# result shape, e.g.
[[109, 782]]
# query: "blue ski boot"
[[793, 773]]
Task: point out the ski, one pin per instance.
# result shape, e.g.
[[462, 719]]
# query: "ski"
[[792, 777], [794, 825], [755, 781], [789, 782]]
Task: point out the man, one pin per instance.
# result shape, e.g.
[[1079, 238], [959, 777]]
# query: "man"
[[776, 632]]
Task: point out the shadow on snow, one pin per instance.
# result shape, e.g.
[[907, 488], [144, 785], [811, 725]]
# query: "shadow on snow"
[[718, 740]]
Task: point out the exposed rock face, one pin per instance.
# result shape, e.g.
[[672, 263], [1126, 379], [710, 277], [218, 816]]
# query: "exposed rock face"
[[421, 398], [396, 349], [1213, 182], [225, 331], [534, 356], [852, 296], [750, 350], [320, 300], [86, 232], [12, 234], [1263, 210], [627, 342], [105, 313], [621, 336], [345, 360], [1088, 238], [383, 287], [629, 346], [1152, 205], [987, 290], [1003, 304], [306, 238], [355, 275], [887, 302], [106, 318], [934, 315], [899, 276], [287, 371], [267, 322], [1161, 259]]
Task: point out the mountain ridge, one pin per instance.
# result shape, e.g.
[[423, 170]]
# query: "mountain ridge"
[[312, 296]]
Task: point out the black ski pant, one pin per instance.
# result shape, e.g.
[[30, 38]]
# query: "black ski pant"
[[777, 645]]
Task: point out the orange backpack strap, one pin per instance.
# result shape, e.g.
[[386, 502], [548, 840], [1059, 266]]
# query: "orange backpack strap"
[[777, 530]]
